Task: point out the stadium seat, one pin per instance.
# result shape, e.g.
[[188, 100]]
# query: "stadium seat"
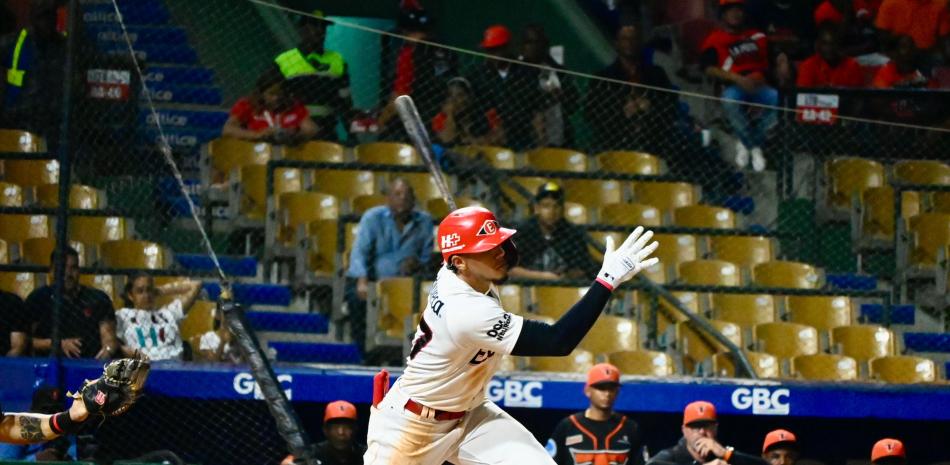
[[508, 364], [439, 209], [786, 340], [697, 345], [126, 253], [578, 361], [199, 320], [4, 252], [709, 273], [395, 304], [553, 301], [903, 369], [601, 238], [344, 184], [666, 196], [386, 153], [18, 228], [704, 216], [643, 362], [80, 197], [674, 249], [226, 154], [11, 195], [530, 184], [850, 177], [628, 162], [667, 314], [556, 159], [298, 209], [360, 204], [824, 367], [323, 236], [423, 185], [19, 283], [37, 250], [922, 172], [104, 283], [511, 298], [31, 173], [611, 333], [253, 187], [498, 157], [745, 251], [576, 213], [630, 214], [765, 365], [745, 310], [930, 233], [877, 214], [941, 202], [592, 193], [94, 230], [315, 150], [779, 273], [863, 342], [820, 312], [16, 140]]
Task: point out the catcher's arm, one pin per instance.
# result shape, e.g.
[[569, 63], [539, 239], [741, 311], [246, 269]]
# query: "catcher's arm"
[[29, 428]]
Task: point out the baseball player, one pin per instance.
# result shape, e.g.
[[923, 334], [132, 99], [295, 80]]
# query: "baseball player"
[[888, 451], [438, 410], [780, 447], [598, 435]]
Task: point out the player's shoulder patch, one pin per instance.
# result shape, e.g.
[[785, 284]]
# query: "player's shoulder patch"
[[573, 439], [551, 447]]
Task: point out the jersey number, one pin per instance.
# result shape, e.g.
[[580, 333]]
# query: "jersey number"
[[422, 340]]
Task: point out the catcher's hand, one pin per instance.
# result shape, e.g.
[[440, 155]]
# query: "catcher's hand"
[[117, 389]]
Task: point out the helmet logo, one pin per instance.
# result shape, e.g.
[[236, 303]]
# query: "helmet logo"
[[488, 228], [450, 242]]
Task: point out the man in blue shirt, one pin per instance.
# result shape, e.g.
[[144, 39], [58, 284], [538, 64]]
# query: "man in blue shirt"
[[392, 240]]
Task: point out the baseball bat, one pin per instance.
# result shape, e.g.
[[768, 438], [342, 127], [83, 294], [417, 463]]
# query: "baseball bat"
[[420, 139]]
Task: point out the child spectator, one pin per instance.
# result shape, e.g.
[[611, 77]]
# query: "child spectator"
[[270, 114], [145, 329]]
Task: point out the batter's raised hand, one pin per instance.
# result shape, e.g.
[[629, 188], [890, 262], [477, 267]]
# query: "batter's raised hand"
[[626, 261]]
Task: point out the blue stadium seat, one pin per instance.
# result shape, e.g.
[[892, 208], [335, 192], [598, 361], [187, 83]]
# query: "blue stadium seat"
[[233, 266], [900, 314], [851, 281], [927, 342], [288, 322], [253, 294], [312, 352]]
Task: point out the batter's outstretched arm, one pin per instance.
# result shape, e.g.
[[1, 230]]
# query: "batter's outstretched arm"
[[542, 339]]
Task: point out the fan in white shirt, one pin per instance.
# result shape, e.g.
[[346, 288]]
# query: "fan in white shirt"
[[145, 329]]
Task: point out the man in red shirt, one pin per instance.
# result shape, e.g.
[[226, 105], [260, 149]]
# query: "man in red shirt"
[[902, 71], [270, 115], [737, 56], [828, 67]]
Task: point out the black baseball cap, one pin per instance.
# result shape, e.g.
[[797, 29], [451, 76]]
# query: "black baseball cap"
[[550, 190]]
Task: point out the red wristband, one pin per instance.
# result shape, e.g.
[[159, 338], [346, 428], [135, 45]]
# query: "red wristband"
[[605, 284]]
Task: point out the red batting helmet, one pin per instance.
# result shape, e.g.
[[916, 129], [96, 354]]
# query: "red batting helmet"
[[470, 230]]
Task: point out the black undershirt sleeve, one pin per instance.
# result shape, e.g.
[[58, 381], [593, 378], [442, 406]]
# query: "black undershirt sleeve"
[[541, 339]]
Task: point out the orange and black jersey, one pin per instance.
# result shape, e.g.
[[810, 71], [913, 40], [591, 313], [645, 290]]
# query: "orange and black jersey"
[[578, 440]]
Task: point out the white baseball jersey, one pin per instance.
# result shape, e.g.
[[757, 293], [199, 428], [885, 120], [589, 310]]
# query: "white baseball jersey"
[[458, 345]]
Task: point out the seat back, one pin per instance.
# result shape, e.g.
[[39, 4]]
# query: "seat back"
[[11, 195], [630, 214], [825, 367], [17, 140], [786, 340], [710, 273], [315, 150], [226, 154], [80, 197], [498, 157], [877, 216], [126, 253], [821, 312], [301, 208], [576, 213], [611, 333], [439, 209], [395, 298], [745, 310], [37, 250], [578, 361], [593, 193], [361, 203], [323, 237], [863, 342], [922, 172], [18, 228], [530, 185], [344, 184], [666, 196], [745, 251], [903, 369], [31, 173], [764, 365], [386, 153], [17, 282], [643, 362], [628, 162], [674, 249], [698, 345], [704, 216], [511, 297], [95, 230], [254, 187], [851, 176], [423, 185], [4, 252], [779, 273], [941, 202], [931, 234], [199, 320], [556, 159], [553, 301]]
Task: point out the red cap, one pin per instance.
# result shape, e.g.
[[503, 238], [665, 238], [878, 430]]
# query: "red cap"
[[887, 447], [777, 437], [699, 411], [339, 410], [470, 230], [603, 373], [496, 36]]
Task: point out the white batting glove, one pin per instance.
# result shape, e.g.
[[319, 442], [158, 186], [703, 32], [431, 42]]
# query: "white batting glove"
[[624, 263]]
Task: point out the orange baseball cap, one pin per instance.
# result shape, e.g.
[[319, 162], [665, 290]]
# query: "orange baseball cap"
[[779, 437], [887, 447], [496, 36], [603, 373], [339, 410], [699, 411]]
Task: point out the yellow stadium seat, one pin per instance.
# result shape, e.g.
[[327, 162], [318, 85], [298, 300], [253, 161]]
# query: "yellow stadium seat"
[[593, 193], [578, 361], [786, 340], [628, 162], [94, 230], [863, 342], [4, 252], [226, 154], [704, 216], [344, 184], [576, 213], [323, 236], [508, 364], [710, 273], [666, 313], [630, 214], [126, 253], [37, 250], [386, 153], [666, 196], [601, 238], [553, 301], [300, 208], [199, 320], [825, 367], [362, 203], [511, 298], [19, 283], [745, 310], [498, 157], [11, 195], [877, 214], [556, 159], [643, 362], [779, 273], [395, 304], [530, 185], [611, 333], [674, 249], [80, 197], [697, 345], [315, 150], [439, 209], [821, 312], [930, 234], [941, 202], [18, 228], [765, 365], [922, 172], [423, 185], [903, 369], [745, 251], [849, 177], [31, 173], [254, 188], [104, 283], [16, 140]]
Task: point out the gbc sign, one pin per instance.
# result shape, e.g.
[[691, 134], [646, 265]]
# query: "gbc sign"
[[512, 393], [244, 384], [762, 401]]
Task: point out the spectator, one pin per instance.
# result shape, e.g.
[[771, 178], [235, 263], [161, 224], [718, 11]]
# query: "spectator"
[[459, 119], [902, 72], [787, 23], [828, 67], [14, 326], [559, 95], [854, 21], [145, 329], [626, 116], [924, 21], [318, 77], [598, 434], [698, 444], [737, 56], [511, 89], [558, 249], [86, 318], [888, 451], [270, 114], [393, 240], [780, 448]]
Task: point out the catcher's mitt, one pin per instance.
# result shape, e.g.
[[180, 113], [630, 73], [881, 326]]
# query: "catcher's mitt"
[[117, 389]]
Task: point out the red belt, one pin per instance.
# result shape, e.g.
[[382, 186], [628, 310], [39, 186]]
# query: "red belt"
[[440, 415]]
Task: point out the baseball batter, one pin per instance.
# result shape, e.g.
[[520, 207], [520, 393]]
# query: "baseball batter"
[[438, 410]]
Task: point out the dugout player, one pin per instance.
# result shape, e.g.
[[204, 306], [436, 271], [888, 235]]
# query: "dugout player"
[[698, 444], [597, 435], [780, 447], [438, 410], [888, 451]]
